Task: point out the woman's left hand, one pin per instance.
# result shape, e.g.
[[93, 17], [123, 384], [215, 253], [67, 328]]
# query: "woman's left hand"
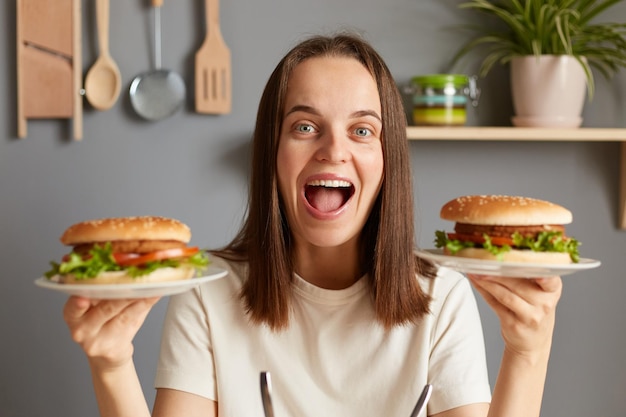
[[526, 309]]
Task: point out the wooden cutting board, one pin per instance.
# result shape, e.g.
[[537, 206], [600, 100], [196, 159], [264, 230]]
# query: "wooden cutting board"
[[49, 70]]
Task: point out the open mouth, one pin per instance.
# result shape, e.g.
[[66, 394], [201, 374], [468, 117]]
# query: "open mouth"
[[328, 195]]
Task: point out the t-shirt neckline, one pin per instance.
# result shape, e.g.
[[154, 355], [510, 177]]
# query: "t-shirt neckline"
[[326, 296]]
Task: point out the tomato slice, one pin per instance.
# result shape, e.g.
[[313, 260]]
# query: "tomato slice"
[[123, 258], [129, 259], [496, 240]]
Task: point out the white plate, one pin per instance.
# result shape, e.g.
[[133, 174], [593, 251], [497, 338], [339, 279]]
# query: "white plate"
[[114, 291], [505, 269]]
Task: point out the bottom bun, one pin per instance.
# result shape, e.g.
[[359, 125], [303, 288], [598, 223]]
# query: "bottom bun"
[[514, 255], [121, 277]]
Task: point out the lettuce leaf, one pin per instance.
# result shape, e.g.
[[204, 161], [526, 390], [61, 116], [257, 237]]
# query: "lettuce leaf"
[[547, 241], [101, 260], [453, 245], [497, 251]]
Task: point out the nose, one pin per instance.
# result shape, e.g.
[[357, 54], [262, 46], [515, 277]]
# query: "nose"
[[334, 146]]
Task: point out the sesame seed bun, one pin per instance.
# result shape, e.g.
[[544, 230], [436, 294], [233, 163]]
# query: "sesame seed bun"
[[126, 228], [504, 210]]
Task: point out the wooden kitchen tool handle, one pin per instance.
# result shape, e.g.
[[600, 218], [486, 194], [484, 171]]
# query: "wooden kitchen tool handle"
[[102, 17], [212, 10]]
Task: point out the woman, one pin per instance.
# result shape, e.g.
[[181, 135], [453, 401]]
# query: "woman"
[[324, 290]]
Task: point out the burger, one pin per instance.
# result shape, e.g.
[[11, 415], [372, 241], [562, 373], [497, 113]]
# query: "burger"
[[128, 250], [507, 228]]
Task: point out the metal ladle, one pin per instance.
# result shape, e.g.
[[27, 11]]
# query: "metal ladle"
[[157, 94]]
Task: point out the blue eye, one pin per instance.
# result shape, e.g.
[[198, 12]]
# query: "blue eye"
[[362, 131], [305, 128]]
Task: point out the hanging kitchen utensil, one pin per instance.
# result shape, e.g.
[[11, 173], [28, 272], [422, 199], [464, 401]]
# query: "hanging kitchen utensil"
[[213, 69], [103, 82], [157, 94], [49, 72]]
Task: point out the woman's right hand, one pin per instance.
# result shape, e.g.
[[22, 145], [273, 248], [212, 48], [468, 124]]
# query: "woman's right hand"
[[105, 328]]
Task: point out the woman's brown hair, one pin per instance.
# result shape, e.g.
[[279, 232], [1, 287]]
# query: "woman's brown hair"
[[387, 241]]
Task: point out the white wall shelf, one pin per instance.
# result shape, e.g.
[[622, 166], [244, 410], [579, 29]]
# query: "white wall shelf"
[[533, 134]]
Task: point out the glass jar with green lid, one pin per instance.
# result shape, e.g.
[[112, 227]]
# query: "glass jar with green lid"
[[441, 99]]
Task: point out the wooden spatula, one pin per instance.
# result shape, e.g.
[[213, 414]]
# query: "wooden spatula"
[[213, 70]]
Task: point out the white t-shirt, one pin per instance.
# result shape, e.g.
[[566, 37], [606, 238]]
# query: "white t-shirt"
[[334, 359]]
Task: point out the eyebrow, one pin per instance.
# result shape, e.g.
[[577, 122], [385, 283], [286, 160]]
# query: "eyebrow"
[[312, 110]]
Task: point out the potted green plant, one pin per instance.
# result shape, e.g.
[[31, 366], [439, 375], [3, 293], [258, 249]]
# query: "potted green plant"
[[548, 35]]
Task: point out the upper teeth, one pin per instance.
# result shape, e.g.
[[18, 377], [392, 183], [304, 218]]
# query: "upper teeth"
[[329, 183]]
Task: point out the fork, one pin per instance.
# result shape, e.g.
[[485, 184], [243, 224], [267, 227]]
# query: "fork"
[[422, 400], [266, 394]]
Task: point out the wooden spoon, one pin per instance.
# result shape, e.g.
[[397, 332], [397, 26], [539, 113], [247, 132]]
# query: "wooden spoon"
[[103, 82]]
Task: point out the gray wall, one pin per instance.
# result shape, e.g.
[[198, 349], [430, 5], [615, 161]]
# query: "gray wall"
[[194, 167]]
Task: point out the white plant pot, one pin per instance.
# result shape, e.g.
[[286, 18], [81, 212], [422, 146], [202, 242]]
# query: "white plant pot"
[[547, 91]]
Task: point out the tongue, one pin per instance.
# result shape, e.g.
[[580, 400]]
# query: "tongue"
[[325, 199]]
